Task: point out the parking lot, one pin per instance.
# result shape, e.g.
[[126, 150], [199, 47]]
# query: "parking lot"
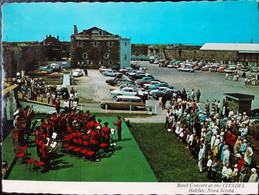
[[211, 84]]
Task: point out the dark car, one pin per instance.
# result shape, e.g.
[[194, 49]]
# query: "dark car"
[[165, 93], [255, 114], [114, 81], [63, 91], [137, 76]]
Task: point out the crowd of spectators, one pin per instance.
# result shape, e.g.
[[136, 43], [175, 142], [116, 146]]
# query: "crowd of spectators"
[[216, 137]]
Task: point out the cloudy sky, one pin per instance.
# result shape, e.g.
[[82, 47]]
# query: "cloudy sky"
[[151, 23]]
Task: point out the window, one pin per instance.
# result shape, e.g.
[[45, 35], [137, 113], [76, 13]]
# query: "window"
[[125, 57], [110, 62], [95, 43], [125, 43], [100, 62], [106, 55], [85, 55], [95, 32], [79, 43], [110, 43]]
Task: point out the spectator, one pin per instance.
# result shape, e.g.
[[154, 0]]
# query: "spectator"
[[57, 105], [254, 176]]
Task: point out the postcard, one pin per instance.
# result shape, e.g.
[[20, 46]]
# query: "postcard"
[[130, 97]]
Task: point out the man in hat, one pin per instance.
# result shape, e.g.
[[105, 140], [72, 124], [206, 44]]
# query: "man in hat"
[[226, 155], [243, 147], [119, 128], [254, 176]]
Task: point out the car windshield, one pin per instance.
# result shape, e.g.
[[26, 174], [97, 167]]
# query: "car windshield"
[[114, 98]]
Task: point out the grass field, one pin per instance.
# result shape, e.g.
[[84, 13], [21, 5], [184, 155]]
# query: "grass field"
[[170, 160]]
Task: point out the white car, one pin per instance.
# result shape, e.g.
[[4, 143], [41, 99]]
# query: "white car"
[[128, 91], [77, 73], [186, 69]]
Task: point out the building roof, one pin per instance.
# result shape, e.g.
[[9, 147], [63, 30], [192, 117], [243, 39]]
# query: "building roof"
[[93, 30], [239, 47], [240, 96]]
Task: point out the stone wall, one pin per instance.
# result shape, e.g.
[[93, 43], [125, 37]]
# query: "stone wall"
[[139, 49], [17, 58], [189, 52]]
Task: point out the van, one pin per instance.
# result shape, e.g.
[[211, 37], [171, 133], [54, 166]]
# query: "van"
[[123, 102]]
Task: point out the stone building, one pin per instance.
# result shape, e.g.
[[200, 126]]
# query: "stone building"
[[95, 47], [57, 50], [245, 53], [228, 53], [29, 56]]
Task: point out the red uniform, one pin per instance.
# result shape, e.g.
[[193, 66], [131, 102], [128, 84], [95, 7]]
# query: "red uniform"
[[118, 124], [106, 131]]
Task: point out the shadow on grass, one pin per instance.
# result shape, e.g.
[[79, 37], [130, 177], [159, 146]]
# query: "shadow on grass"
[[127, 139]]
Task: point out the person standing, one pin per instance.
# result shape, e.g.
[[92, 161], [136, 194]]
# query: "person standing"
[[214, 168], [119, 128], [209, 163], [106, 136], [200, 159], [198, 95], [193, 95], [226, 76], [48, 96], [254, 176], [248, 154], [57, 104]]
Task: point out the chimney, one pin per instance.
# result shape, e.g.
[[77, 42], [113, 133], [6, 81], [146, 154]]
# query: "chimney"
[[58, 38], [75, 30]]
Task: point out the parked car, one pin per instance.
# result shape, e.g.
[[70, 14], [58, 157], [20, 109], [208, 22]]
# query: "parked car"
[[78, 73], [244, 69], [186, 69], [214, 69], [111, 73], [151, 92], [55, 75], [165, 93], [103, 69], [128, 91], [123, 102], [230, 69], [221, 69], [152, 82], [255, 69], [48, 69], [62, 91], [115, 81], [151, 87], [205, 68]]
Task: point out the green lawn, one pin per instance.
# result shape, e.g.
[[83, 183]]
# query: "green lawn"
[[170, 160]]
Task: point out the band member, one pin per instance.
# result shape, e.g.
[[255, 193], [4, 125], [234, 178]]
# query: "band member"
[[20, 126], [106, 136], [119, 128]]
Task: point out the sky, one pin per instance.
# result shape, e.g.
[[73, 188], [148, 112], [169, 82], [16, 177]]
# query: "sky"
[[151, 23]]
